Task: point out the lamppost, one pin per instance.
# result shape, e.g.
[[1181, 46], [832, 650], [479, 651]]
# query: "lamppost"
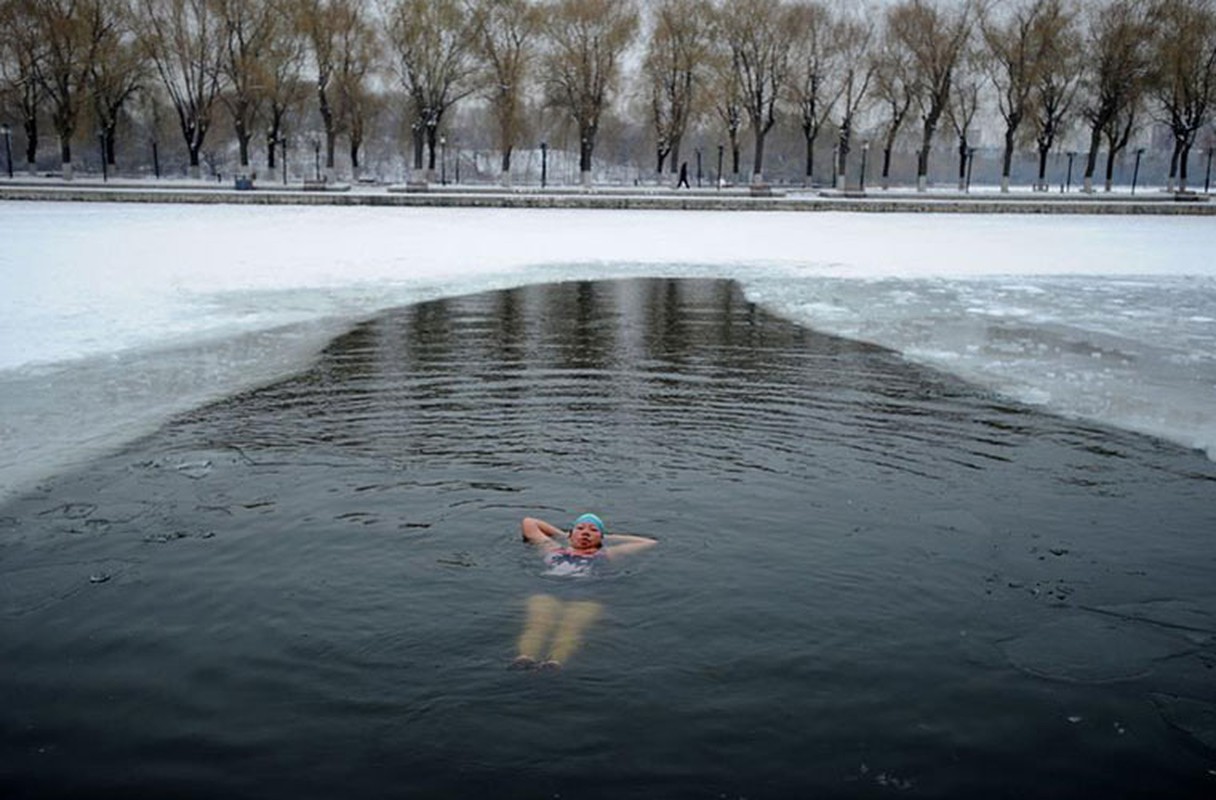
[[721, 150], [1068, 184], [1207, 178], [101, 142], [443, 160], [698, 168], [970, 160], [6, 130], [1136, 169], [861, 179], [544, 164]]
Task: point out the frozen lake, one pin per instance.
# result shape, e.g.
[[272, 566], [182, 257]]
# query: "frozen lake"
[[872, 579], [113, 318]]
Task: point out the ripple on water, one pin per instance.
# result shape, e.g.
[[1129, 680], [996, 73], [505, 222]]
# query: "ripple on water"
[[323, 577]]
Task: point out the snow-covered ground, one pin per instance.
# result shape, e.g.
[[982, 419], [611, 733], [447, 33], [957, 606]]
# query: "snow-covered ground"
[[113, 317]]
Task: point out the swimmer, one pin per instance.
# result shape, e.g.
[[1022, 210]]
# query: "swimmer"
[[588, 545]]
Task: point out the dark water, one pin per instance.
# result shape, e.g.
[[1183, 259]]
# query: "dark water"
[[873, 580]]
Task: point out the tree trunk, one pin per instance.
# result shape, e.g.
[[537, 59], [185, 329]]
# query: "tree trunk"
[[111, 134], [1007, 157], [331, 141], [242, 140], [1183, 158], [886, 166], [432, 140], [1169, 186], [758, 160], [419, 147], [1091, 158], [1110, 168], [810, 156], [842, 161], [31, 144], [962, 163], [65, 155], [922, 169], [586, 149], [1041, 184]]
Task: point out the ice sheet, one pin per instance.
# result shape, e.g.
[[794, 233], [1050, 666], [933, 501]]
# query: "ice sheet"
[[113, 317]]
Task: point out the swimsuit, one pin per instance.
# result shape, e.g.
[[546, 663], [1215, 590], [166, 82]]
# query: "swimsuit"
[[567, 563]]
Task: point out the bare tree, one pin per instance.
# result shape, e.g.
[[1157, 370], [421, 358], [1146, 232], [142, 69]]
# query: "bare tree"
[[358, 56], [249, 28], [935, 39], [336, 32], [854, 36], [283, 66], [1116, 68], [1185, 54], [505, 34], [895, 90], [21, 51], [71, 32], [726, 96], [964, 105], [1014, 59], [584, 43], [759, 35], [673, 72], [118, 72], [431, 42], [1055, 77], [184, 40], [812, 61]]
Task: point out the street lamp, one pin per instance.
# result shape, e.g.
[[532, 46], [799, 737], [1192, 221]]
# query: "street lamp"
[[721, 149], [6, 130], [544, 164], [443, 160], [970, 160], [861, 180], [101, 141], [1136, 169]]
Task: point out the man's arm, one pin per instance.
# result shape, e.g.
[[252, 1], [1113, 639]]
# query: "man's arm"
[[538, 532]]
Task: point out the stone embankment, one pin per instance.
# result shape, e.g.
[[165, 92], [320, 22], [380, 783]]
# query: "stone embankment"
[[1152, 202]]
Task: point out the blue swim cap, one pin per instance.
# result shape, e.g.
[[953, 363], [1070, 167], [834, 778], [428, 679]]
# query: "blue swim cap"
[[594, 520]]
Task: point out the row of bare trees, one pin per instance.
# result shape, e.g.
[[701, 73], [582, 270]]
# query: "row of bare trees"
[[1038, 69]]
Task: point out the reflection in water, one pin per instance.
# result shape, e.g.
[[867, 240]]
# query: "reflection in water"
[[872, 577]]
